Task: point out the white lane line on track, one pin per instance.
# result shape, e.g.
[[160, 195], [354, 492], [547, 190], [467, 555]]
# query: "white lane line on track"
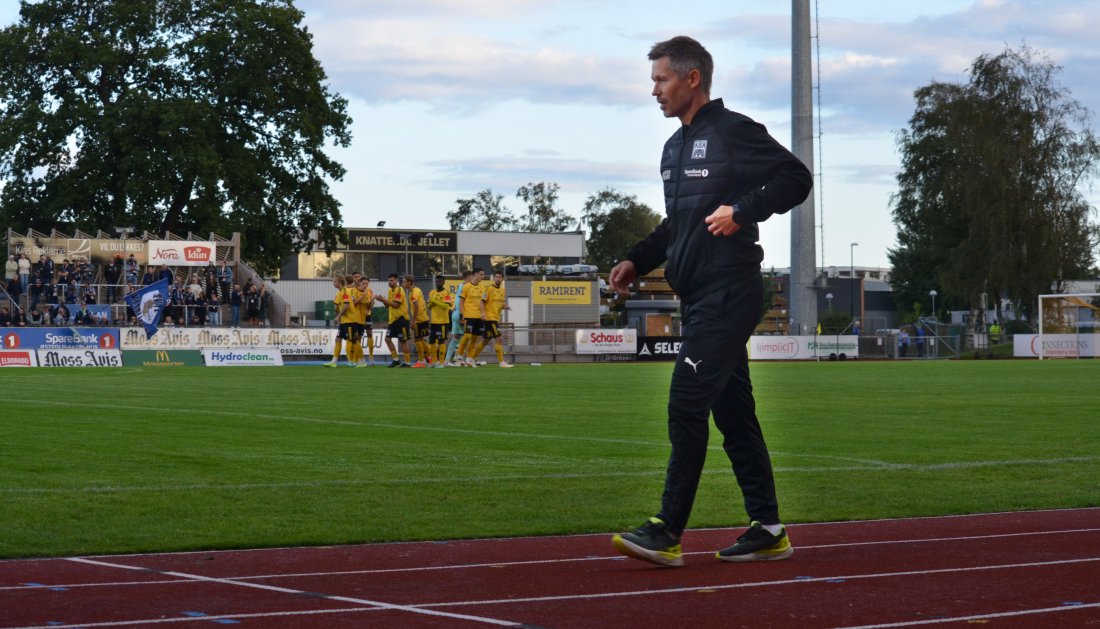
[[532, 562], [274, 588], [978, 617], [757, 584], [203, 619]]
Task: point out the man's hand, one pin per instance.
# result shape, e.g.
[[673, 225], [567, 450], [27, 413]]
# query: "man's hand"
[[721, 222], [621, 276]]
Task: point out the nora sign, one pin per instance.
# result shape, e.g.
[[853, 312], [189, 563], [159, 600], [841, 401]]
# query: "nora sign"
[[182, 252]]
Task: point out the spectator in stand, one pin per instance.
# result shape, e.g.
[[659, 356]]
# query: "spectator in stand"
[[188, 307], [72, 290], [195, 286], [38, 316], [131, 270], [213, 312], [38, 292], [225, 279], [131, 316], [6, 319], [113, 275], [91, 294], [263, 304], [44, 269], [252, 301], [19, 319], [150, 277], [24, 271], [210, 281], [199, 315], [166, 274], [235, 300], [14, 288], [64, 271], [175, 303], [11, 270], [83, 316], [62, 316]]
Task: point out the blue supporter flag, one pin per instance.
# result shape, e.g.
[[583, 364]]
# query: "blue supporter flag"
[[148, 304]]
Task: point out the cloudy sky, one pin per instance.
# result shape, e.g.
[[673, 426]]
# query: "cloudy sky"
[[453, 96]]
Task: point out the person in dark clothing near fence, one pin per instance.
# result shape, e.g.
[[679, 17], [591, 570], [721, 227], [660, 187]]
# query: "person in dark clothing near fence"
[[722, 175]]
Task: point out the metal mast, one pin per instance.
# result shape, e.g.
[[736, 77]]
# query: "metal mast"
[[803, 299]]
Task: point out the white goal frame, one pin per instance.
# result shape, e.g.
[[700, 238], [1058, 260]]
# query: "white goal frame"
[[1076, 344]]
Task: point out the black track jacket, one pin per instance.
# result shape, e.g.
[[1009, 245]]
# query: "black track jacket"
[[721, 158]]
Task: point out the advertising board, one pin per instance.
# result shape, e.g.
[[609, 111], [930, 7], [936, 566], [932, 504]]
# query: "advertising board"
[[603, 341], [18, 358], [79, 358], [230, 357], [60, 338]]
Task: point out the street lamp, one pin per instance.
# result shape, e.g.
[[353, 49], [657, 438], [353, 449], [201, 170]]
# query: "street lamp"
[[422, 239], [406, 238], [381, 223], [933, 293], [852, 275]]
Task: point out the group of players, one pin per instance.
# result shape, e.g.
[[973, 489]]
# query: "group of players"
[[472, 313]]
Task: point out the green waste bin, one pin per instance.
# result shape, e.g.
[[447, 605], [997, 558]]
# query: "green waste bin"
[[323, 310]]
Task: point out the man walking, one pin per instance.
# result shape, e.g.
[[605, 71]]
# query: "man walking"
[[722, 175]]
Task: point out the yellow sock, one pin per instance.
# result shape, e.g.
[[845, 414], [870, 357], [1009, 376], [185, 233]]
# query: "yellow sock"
[[479, 347], [463, 344], [500, 352], [408, 358], [336, 350], [422, 351], [433, 352], [370, 346], [441, 352]]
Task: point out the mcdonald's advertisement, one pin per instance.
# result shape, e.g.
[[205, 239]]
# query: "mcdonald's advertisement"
[[162, 358]]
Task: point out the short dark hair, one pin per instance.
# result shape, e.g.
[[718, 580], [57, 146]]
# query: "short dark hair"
[[393, 276], [477, 269], [684, 55]]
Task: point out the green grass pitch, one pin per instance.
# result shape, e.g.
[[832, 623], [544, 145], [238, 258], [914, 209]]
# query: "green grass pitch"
[[127, 460]]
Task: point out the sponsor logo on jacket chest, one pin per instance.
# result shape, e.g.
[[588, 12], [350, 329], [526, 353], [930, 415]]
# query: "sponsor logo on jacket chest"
[[696, 172], [699, 150]]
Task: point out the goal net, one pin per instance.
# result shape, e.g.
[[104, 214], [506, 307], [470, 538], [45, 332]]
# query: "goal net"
[[1069, 326]]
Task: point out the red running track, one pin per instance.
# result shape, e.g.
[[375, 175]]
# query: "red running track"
[[1028, 569]]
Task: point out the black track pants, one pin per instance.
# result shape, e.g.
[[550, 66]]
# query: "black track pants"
[[712, 376]]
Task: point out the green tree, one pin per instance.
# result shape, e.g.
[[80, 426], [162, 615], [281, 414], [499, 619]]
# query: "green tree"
[[615, 221], [170, 115], [989, 196], [543, 215], [484, 212]]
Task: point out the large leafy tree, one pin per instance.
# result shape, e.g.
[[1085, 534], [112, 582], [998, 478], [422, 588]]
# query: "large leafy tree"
[[989, 196], [616, 221], [543, 214], [485, 211], [171, 115]]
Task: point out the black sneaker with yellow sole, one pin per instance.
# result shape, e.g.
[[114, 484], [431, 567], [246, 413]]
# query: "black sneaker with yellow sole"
[[757, 544], [651, 542]]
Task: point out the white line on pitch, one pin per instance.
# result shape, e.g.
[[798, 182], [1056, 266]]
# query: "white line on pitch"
[[274, 588], [210, 618]]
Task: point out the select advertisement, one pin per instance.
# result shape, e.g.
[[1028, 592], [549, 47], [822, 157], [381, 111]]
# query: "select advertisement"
[[605, 341], [658, 347]]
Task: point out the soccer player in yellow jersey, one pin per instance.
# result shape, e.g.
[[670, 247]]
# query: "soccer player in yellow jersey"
[[345, 315], [338, 302], [473, 312], [418, 315], [496, 301], [363, 320], [440, 304], [398, 327]]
